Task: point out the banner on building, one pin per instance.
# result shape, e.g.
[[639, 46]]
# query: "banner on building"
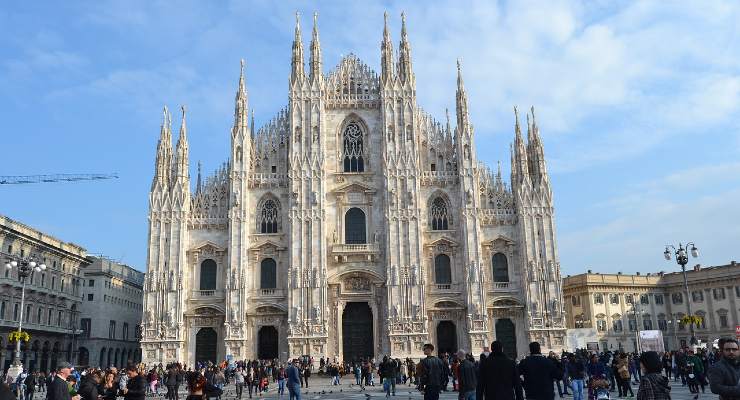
[[651, 341], [580, 338]]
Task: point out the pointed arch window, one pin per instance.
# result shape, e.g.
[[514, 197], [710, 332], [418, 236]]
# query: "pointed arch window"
[[268, 274], [500, 268], [268, 219], [442, 270], [438, 215], [353, 148], [354, 227]]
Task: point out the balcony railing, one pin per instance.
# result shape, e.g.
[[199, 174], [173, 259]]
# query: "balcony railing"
[[501, 285], [355, 248], [207, 293], [267, 292], [444, 286]]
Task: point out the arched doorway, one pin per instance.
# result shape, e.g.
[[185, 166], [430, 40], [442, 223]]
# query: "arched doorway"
[[506, 334], [45, 357], [55, 354], [357, 331], [446, 337], [103, 358], [267, 343], [206, 342], [83, 357]]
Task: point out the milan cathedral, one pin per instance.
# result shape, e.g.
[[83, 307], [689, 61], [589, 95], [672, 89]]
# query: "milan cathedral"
[[351, 225]]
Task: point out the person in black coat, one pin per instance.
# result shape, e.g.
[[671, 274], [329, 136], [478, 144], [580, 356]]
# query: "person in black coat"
[[538, 372], [58, 389], [136, 385], [89, 387], [498, 377]]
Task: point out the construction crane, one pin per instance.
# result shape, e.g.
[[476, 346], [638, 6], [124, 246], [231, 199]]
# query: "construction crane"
[[22, 179]]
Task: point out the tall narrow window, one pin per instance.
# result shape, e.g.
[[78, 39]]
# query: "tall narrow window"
[[208, 272], [500, 268], [353, 159], [268, 219], [268, 274], [354, 227], [442, 271], [438, 215]]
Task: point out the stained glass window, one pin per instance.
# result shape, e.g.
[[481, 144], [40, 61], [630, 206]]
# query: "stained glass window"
[[353, 150]]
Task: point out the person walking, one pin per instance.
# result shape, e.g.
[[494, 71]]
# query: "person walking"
[[239, 382], [653, 385], [294, 380], [623, 376], [577, 375], [467, 378], [538, 372], [430, 373], [30, 384], [170, 381], [498, 377], [306, 374], [724, 375], [559, 370], [385, 370], [281, 381]]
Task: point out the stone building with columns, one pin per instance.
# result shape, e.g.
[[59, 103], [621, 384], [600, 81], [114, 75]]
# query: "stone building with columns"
[[620, 305], [51, 306], [353, 224]]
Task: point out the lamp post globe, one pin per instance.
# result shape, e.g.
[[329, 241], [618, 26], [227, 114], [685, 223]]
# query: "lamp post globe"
[[682, 258], [25, 266]]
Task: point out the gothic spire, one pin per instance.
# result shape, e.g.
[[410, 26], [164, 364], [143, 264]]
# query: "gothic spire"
[[463, 117], [241, 109], [252, 128], [163, 162], [536, 153], [296, 71], [182, 165], [315, 50], [404, 54], [519, 167], [199, 183], [386, 52]]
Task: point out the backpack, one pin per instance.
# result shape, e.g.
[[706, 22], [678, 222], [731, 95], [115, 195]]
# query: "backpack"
[[624, 372]]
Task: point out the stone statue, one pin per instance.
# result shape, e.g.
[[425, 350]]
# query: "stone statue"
[[315, 277], [396, 310], [473, 272], [317, 313], [149, 316], [233, 315], [236, 197], [393, 276], [414, 275], [376, 237], [334, 237]]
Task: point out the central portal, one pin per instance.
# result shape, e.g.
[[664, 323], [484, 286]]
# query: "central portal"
[[357, 332], [206, 343]]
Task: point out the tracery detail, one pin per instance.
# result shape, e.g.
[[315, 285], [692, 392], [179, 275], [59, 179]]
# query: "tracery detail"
[[268, 219], [353, 148], [438, 215]]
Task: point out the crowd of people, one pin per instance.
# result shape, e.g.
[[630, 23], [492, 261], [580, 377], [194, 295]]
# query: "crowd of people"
[[492, 375]]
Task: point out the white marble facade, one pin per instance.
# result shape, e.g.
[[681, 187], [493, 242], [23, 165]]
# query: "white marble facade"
[[352, 224]]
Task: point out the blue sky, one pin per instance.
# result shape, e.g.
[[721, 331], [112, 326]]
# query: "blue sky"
[[638, 104]]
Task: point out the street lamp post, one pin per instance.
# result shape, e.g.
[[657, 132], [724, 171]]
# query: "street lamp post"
[[25, 267], [682, 258]]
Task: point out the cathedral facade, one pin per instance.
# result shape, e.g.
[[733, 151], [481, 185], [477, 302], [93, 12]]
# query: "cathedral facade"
[[351, 225]]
